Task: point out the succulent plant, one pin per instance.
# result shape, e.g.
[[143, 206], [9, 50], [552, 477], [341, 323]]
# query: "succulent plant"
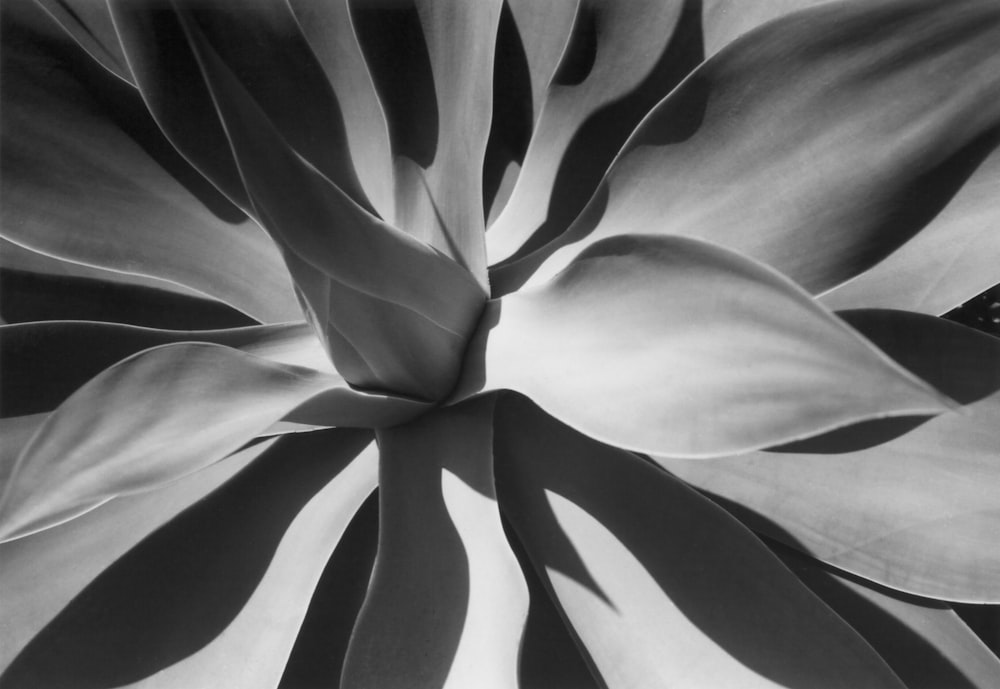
[[497, 343]]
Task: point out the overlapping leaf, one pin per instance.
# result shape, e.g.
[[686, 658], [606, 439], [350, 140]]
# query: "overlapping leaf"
[[153, 418], [923, 641], [239, 567], [671, 343], [818, 143], [910, 503], [443, 564], [643, 569], [88, 178]]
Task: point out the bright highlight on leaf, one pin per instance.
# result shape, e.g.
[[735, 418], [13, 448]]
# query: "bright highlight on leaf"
[[447, 343]]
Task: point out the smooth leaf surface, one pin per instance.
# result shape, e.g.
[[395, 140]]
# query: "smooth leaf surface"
[[328, 28], [89, 24], [15, 432], [432, 65], [238, 568], [16, 257], [44, 363], [72, 555], [953, 259], [818, 143], [430, 298], [443, 565], [86, 177], [144, 422], [661, 587], [671, 343], [613, 69], [909, 503], [923, 641]]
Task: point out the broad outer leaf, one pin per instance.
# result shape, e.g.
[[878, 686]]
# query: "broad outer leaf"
[[15, 432], [661, 587], [609, 76], [916, 511], [447, 602], [43, 363], [148, 420], [818, 143], [432, 64], [953, 259], [218, 593], [925, 643], [87, 178], [255, 646], [671, 343], [16, 257], [70, 556], [726, 20]]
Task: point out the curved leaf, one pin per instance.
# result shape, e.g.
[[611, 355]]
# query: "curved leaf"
[[953, 259], [44, 363], [726, 20], [911, 503], [328, 28], [119, 433], [923, 641], [447, 602], [15, 432], [818, 143], [213, 620], [87, 178], [89, 24], [614, 68], [671, 343], [661, 587], [73, 554], [432, 65], [430, 298]]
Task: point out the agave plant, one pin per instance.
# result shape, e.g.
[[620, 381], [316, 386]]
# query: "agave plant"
[[498, 343]]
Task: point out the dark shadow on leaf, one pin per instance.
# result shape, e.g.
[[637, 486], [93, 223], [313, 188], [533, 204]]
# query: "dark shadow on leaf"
[[184, 584], [393, 43], [915, 660], [952, 358], [318, 655], [67, 69], [550, 657], [604, 132], [510, 128], [27, 296]]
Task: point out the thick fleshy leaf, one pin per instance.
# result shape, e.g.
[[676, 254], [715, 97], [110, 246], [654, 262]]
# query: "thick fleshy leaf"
[[151, 419], [88, 178], [317, 659], [89, 24], [203, 620], [952, 259], [725, 20], [16, 257], [42, 364], [328, 28], [818, 143], [925, 643], [432, 64], [447, 602], [418, 334], [661, 587], [667, 342], [15, 432], [909, 503], [279, 72], [75, 553], [614, 68]]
